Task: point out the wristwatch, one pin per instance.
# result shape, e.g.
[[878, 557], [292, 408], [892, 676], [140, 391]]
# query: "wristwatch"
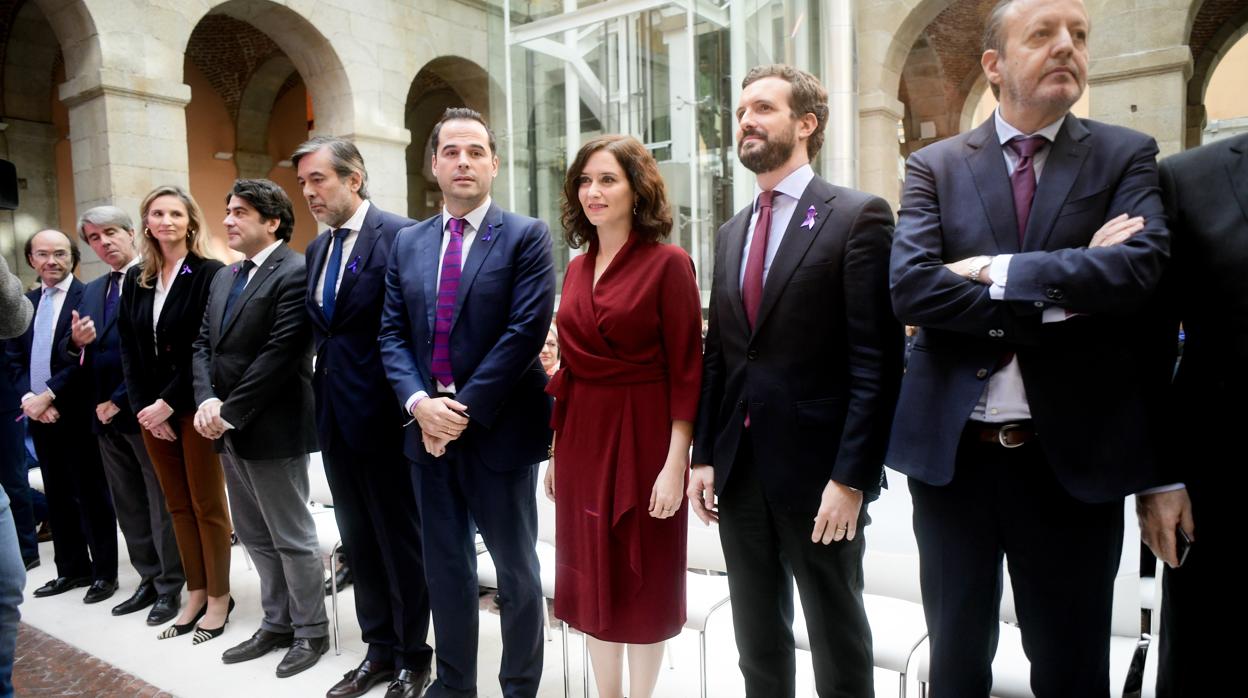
[[974, 266]]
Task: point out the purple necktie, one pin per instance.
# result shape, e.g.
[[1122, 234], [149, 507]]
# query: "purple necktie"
[[110, 296], [1023, 180], [448, 289], [752, 285]]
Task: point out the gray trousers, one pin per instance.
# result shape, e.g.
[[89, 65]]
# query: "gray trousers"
[[269, 505], [141, 510]]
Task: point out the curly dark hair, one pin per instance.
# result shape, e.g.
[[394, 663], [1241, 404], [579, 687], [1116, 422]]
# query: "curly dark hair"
[[269, 200], [652, 217]]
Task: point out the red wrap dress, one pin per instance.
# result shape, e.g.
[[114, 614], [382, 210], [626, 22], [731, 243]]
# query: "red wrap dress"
[[631, 356]]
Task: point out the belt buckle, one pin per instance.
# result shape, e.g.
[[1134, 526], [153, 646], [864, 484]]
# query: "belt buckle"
[[1006, 428]]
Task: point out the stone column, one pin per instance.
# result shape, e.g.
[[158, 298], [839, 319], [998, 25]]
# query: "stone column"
[[31, 149], [385, 154], [878, 149], [1146, 91], [128, 135]]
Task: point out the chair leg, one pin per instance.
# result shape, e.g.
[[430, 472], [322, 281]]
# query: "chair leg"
[[585, 665], [702, 662], [922, 689], [901, 690], [333, 586], [567, 684], [545, 620], [667, 651]]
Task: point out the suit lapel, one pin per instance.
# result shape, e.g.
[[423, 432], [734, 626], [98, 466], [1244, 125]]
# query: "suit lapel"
[[428, 251], [275, 259], [992, 181], [481, 246], [365, 240], [72, 299], [317, 251], [734, 250], [101, 301], [1237, 170], [797, 239], [1061, 169]]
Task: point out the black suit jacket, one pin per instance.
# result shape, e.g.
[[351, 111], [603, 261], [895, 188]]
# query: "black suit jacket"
[[1206, 195], [158, 365], [349, 380], [260, 363], [502, 314], [820, 370], [1092, 381], [66, 382], [105, 378]]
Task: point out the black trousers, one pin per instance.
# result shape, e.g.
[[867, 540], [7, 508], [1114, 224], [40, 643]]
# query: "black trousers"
[[767, 547], [84, 528], [375, 506], [1063, 556]]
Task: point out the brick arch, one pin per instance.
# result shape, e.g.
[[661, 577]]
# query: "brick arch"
[[316, 59], [1216, 26]]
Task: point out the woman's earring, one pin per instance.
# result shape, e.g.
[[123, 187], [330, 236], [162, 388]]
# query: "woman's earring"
[[147, 232]]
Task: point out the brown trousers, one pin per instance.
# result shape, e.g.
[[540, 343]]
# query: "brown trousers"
[[190, 476]]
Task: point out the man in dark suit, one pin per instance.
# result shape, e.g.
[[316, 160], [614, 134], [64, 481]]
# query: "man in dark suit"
[[361, 436], [799, 381], [253, 371], [1206, 196], [1025, 251], [56, 400], [94, 342], [469, 297]]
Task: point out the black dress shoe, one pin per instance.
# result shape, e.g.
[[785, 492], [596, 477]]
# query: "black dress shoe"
[[60, 585], [303, 654], [258, 645], [142, 597], [100, 589], [408, 684], [165, 608], [342, 577], [359, 680], [31, 563]]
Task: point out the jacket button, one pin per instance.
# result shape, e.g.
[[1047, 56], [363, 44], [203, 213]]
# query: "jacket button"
[[981, 373], [1054, 293], [751, 354], [740, 403], [1039, 304]]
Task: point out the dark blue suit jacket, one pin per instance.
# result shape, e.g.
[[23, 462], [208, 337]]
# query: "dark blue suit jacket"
[[66, 380], [502, 314], [1092, 381], [348, 359], [104, 378]]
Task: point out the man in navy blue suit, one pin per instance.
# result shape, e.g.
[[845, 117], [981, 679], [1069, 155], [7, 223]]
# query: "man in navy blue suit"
[[469, 297], [94, 342], [57, 402], [1027, 251], [361, 433]]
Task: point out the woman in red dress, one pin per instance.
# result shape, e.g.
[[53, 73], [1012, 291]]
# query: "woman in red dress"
[[625, 399]]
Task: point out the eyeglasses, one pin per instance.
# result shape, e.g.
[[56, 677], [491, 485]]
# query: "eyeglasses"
[[43, 256]]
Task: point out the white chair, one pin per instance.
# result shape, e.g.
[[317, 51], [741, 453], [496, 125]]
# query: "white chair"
[[329, 539], [706, 587]]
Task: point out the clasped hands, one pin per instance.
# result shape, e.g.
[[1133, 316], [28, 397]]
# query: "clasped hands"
[[208, 421], [1116, 230], [155, 419], [441, 421], [40, 408]]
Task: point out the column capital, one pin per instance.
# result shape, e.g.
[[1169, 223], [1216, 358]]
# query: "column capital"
[[1142, 64], [111, 82], [877, 103]]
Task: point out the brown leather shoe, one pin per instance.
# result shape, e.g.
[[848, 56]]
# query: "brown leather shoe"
[[359, 680]]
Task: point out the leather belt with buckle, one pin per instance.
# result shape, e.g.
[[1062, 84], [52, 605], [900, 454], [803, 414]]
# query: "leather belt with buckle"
[[1011, 435]]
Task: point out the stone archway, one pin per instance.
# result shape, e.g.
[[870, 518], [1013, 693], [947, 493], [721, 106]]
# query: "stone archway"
[[1216, 26]]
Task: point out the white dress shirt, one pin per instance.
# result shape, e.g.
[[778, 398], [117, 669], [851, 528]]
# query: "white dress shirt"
[[788, 192], [472, 223], [1004, 398], [354, 224]]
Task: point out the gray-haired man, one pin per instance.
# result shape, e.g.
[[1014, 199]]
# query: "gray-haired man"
[[94, 341]]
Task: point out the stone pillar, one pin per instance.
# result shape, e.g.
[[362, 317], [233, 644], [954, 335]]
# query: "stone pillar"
[[385, 155], [252, 165], [878, 149], [128, 135], [1146, 91], [31, 149]]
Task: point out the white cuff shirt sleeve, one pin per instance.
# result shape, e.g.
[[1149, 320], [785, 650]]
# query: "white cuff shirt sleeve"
[[999, 272], [416, 397], [1164, 488]]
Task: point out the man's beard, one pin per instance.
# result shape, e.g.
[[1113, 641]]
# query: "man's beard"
[[768, 156]]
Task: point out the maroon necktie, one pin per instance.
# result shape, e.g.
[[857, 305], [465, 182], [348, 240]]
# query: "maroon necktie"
[[752, 285], [1023, 180], [448, 290]]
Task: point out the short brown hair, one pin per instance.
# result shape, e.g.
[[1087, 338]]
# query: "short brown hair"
[[807, 96], [652, 217]]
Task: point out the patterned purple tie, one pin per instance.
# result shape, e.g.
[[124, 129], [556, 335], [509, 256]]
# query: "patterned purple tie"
[[1023, 180], [448, 289]]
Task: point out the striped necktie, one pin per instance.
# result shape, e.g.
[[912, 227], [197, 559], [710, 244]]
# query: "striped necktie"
[[448, 289]]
